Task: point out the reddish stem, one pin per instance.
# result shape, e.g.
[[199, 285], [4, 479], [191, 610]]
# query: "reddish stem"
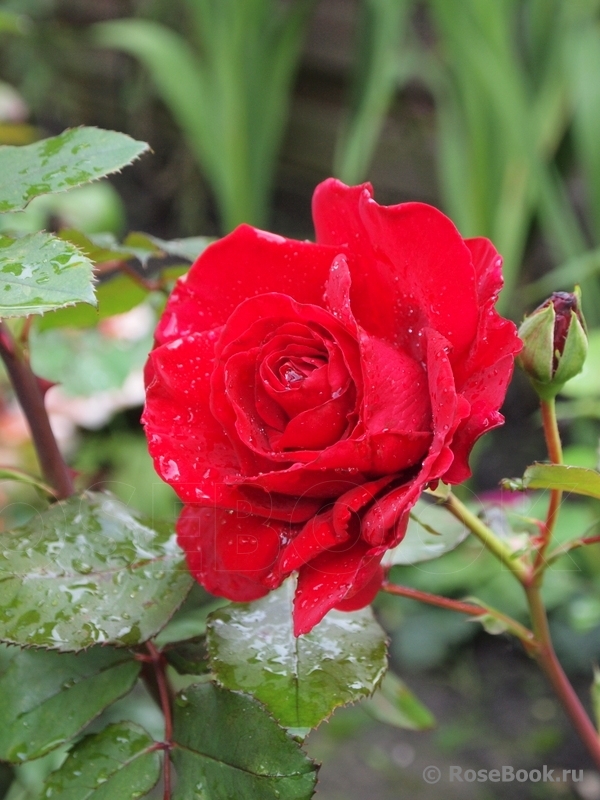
[[590, 540], [159, 664], [31, 399], [546, 658], [434, 599], [553, 443]]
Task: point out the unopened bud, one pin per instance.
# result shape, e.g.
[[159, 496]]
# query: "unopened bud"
[[554, 343]]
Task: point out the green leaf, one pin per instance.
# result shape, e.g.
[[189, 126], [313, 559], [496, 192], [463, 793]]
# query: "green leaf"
[[39, 273], [395, 704], [227, 746], [86, 362], [115, 296], [432, 531], [560, 476], [119, 762], [300, 680], [14, 474], [188, 623], [89, 570], [189, 248], [98, 247], [13, 23], [77, 156], [190, 657], [47, 698]]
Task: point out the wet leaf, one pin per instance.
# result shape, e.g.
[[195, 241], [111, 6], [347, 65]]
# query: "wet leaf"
[[88, 570], [300, 680], [47, 698], [77, 156], [432, 531], [578, 480], [118, 763], [395, 704], [227, 746], [40, 273]]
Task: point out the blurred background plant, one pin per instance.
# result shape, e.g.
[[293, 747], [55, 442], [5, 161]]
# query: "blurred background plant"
[[489, 109]]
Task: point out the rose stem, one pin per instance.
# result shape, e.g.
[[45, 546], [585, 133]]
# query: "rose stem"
[[31, 399], [164, 695], [546, 658], [554, 446], [433, 599], [487, 537], [473, 610], [542, 643]]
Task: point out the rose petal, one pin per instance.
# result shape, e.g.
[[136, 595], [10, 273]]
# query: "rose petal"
[[316, 536], [328, 579], [482, 377], [448, 410], [488, 268], [337, 293], [231, 556], [317, 428], [245, 263], [337, 525], [395, 395], [363, 597], [410, 267], [190, 449]]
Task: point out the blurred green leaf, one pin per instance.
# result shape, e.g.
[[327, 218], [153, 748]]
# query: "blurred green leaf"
[[114, 296], [47, 698], [189, 248], [127, 470], [75, 157], [432, 531], [300, 680], [39, 273], [583, 63], [501, 122], [120, 762], [226, 745], [395, 704], [560, 476], [377, 76], [31, 775], [189, 623], [99, 247], [14, 474], [85, 362], [92, 208], [190, 657], [87, 571], [228, 93], [12, 23]]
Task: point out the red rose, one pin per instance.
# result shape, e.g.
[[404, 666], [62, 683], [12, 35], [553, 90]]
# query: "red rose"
[[301, 396]]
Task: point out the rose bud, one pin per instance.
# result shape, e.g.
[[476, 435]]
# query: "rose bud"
[[554, 343]]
